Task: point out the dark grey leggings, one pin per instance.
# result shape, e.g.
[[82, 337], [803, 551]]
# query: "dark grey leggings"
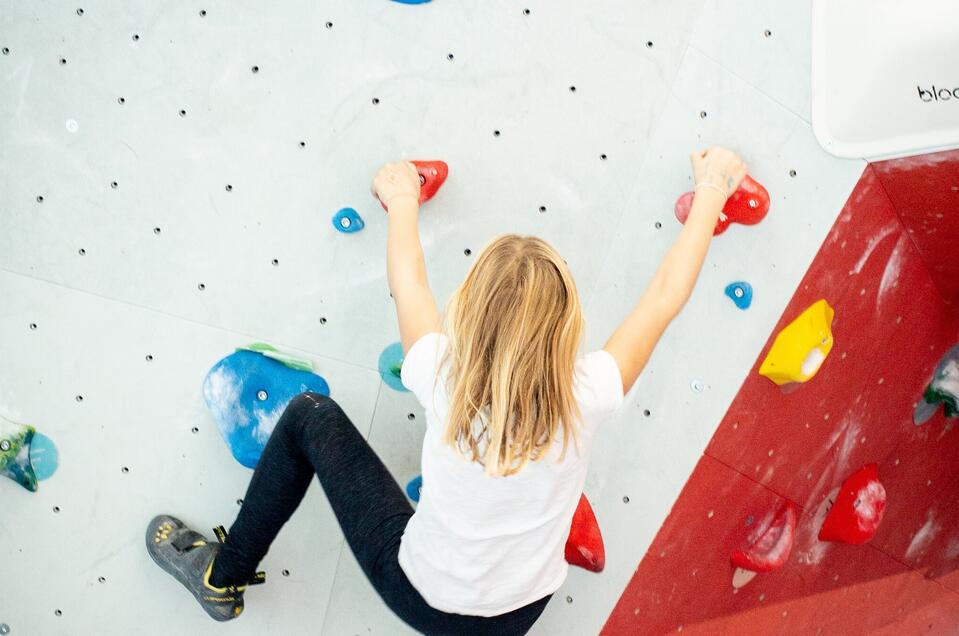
[[314, 436]]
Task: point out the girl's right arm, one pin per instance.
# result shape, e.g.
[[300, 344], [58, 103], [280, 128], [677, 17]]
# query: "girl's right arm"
[[717, 173]]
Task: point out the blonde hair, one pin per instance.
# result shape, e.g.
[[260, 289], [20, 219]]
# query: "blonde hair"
[[514, 325]]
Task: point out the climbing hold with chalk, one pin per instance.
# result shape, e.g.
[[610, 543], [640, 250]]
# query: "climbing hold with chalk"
[[432, 175], [748, 205], [741, 293], [15, 441], [942, 389], [584, 546], [247, 392], [348, 221], [391, 365], [856, 513], [767, 546], [414, 487], [801, 347]]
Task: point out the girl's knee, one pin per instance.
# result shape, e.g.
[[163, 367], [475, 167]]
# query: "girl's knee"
[[312, 407], [312, 399]]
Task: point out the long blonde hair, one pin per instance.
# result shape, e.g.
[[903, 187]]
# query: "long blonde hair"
[[514, 325]]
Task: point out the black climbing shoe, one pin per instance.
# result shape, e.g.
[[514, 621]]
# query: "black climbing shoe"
[[188, 556]]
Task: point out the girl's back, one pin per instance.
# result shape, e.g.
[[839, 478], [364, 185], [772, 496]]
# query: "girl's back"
[[489, 544]]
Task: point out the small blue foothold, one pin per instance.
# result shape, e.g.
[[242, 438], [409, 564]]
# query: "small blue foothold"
[[414, 487], [390, 366], [411, 1], [741, 292], [348, 221]]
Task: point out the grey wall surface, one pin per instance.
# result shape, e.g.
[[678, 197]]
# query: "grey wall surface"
[[653, 81]]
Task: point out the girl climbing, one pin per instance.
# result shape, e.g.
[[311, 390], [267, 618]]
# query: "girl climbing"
[[511, 412]]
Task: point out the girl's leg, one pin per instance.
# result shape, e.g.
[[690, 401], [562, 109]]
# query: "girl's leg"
[[314, 436]]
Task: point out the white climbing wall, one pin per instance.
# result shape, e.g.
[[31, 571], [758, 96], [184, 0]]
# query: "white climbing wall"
[[161, 99]]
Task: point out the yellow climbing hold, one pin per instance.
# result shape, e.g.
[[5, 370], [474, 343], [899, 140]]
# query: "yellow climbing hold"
[[801, 347]]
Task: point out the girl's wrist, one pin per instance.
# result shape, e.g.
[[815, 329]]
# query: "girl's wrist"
[[711, 186], [398, 201]]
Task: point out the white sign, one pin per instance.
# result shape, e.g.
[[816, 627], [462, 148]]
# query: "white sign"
[[885, 76]]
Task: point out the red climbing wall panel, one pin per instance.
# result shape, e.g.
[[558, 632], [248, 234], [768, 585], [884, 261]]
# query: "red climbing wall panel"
[[925, 192], [891, 327]]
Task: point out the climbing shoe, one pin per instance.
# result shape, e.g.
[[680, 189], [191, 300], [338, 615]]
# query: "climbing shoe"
[[188, 556]]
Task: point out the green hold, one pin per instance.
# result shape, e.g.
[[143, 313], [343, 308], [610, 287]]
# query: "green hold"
[[15, 453], [950, 404], [283, 358], [942, 389]]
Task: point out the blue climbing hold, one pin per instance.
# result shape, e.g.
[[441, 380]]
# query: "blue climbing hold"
[[247, 392], [741, 293], [414, 487], [43, 456], [348, 221], [411, 1], [390, 365]]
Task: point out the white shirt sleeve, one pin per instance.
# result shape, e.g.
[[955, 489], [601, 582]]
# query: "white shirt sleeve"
[[599, 386], [421, 364]]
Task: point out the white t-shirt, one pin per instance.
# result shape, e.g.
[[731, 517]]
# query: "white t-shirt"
[[482, 545]]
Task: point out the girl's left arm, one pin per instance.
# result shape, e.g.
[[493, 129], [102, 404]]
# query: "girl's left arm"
[[397, 184]]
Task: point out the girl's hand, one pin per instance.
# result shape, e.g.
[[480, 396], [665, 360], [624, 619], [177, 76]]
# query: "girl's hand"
[[396, 179], [719, 168]]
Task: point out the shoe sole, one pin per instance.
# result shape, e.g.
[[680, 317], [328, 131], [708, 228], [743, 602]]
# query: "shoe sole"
[[176, 575]]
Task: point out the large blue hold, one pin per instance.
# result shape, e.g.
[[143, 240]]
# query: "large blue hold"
[[248, 391]]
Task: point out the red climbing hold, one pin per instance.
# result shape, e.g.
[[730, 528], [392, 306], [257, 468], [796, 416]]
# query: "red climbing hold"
[[748, 205], [584, 547], [857, 512], [432, 175], [768, 545]]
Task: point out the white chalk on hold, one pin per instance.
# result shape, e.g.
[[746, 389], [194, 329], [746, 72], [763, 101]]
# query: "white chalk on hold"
[[72, 125], [741, 577]]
